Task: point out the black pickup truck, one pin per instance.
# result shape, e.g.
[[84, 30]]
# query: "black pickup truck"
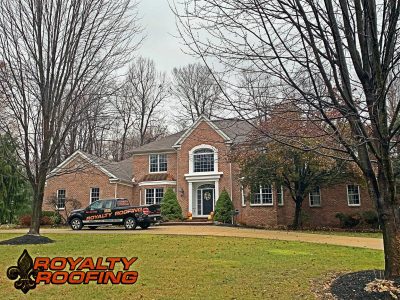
[[114, 212]]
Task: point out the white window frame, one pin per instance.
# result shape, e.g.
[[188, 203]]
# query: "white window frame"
[[243, 196], [158, 162], [91, 194], [261, 187], [154, 197], [65, 196], [320, 198], [358, 193], [282, 196], [191, 159]]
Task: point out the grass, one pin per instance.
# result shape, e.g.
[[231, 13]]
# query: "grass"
[[189, 267]]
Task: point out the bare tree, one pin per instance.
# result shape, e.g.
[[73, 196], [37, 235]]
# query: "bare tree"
[[55, 53], [197, 91], [339, 58], [143, 92]]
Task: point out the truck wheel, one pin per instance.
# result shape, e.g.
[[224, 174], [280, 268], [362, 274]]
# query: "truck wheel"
[[144, 225], [76, 224], [130, 223]]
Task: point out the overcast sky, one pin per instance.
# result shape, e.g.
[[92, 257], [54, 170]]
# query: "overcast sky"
[[161, 45]]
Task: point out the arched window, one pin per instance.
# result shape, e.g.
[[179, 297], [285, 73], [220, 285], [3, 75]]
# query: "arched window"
[[203, 160]]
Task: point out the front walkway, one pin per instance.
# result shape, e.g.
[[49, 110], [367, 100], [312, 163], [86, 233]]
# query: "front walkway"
[[362, 242]]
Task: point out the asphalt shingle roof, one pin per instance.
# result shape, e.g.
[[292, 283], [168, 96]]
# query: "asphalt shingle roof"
[[122, 170], [236, 130]]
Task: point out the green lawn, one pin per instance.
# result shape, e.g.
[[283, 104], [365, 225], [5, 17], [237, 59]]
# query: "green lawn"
[[188, 267]]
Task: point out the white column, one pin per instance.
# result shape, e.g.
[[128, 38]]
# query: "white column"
[[216, 191], [190, 191]]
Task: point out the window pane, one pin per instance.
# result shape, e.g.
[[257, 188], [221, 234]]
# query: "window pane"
[[96, 205], [353, 195], [158, 162], [159, 195], [153, 163], [162, 159], [149, 196], [60, 199], [203, 160], [263, 195], [94, 194], [315, 197]]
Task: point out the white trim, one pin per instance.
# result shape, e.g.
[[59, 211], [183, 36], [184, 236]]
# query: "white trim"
[[158, 163], [199, 177], [203, 146], [73, 156], [214, 198], [191, 197], [264, 204], [116, 180], [283, 197], [154, 196], [65, 195], [320, 198], [359, 195], [160, 182], [194, 126], [90, 194], [242, 194]]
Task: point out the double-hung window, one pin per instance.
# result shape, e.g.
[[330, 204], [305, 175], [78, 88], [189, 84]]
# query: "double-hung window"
[[315, 197], [61, 199], [263, 195], [353, 195], [158, 163], [94, 194], [154, 196]]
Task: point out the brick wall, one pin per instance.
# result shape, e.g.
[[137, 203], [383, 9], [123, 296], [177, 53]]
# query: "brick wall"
[[77, 185], [203, 134]]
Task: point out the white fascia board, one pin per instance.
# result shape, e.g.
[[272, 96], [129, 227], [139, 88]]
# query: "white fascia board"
[[160, 182]]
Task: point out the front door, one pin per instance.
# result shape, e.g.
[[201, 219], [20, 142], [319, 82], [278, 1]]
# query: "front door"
[[205, 199]]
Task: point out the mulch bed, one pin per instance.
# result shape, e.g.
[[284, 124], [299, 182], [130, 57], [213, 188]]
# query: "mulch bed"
[[351, 286], [27, 239]]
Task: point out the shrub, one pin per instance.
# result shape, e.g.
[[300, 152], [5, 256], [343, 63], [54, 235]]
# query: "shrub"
[[56, 219], [370, 217], [46, 221], [224, 208], [348, 221], [170, 208], [26, 220]]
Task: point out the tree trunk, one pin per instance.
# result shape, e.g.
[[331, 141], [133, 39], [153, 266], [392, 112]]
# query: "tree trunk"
[[297, 214], [391, 240], [37, 208]]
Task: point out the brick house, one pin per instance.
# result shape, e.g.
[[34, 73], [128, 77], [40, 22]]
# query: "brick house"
[[196, 164]]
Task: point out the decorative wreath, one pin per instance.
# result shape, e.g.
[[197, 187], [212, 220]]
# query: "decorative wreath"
[[207, 196]]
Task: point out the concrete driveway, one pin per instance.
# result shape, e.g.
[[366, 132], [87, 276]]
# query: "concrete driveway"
[[361, 242]]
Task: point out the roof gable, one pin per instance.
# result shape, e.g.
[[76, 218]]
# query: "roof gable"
[[189, 131], [114, 170]]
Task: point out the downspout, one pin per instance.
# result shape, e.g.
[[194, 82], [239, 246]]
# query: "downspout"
[[115, 190]]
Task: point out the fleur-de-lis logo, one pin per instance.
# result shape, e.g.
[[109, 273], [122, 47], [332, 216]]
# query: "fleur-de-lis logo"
[[24, 270]]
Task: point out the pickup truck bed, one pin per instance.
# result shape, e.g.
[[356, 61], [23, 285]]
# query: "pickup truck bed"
[[114, 212]]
